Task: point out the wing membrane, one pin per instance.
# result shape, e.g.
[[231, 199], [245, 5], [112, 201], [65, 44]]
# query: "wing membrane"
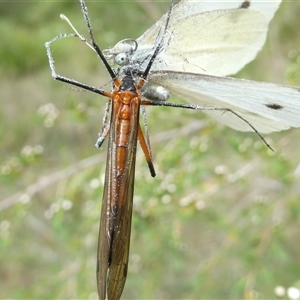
[[268, 107], [206, 37]]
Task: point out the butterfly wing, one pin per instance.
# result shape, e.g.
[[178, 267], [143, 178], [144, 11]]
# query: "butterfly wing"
[[267, 107], [216, 38]]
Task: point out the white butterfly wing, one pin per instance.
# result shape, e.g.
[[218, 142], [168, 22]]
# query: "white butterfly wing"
[[267, 107], [208, 37]]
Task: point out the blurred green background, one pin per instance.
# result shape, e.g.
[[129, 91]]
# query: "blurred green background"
[[220, 220]]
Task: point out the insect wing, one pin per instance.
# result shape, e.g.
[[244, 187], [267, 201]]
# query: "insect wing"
[[119, 264], [267, 107], [115, 224], [104, 239], [208, 37]]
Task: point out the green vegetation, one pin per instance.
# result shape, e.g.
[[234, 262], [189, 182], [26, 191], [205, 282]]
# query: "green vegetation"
[[221, 219]]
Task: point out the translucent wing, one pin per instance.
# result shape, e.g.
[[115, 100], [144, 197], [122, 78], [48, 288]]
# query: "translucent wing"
[[208, 37], [268, 107], [115, 224]]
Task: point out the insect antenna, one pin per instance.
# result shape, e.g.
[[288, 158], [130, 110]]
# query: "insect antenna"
[[159, 46], [94, 44]]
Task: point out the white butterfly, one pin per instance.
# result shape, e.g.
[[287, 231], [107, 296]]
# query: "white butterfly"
[[208, 39], [185, 52]]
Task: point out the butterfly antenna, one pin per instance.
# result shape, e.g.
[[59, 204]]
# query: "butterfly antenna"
[[66, 19]]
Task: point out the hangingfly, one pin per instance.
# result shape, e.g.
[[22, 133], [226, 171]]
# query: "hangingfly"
[[184, 53]]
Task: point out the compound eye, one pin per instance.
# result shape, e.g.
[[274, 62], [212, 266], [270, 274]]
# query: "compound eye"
[[121, 59]]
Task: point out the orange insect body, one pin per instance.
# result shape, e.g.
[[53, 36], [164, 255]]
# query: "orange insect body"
[[114, 234], [183, 63], [124, 131]]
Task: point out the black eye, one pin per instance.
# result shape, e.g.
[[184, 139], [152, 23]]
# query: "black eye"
[[121, 59]]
